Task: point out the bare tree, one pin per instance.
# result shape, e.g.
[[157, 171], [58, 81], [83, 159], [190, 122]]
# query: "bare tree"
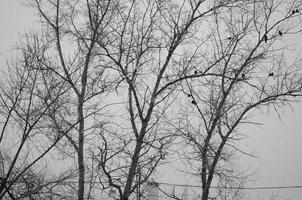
[[254, 75], [71, 31], [125, 66], [136, 42], [150, 48], [25, 101]]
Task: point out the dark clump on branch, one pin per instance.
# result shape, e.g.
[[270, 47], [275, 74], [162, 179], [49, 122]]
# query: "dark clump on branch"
[[280, 33], [197, 71], [271, 74], [243, 76], [295, 11], [189, 95], [265, 38], [229, 38], [193, 102]]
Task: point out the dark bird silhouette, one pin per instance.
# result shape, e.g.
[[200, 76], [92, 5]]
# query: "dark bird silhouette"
[[243, 75], [229, 38], [271, 74], [280, 33], [189, 95], [293, 12], [193, 102], [195, 72], [265, 38], [297, 10]]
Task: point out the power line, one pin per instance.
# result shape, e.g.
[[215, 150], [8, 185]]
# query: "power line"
[[199, 186], [238, 188]]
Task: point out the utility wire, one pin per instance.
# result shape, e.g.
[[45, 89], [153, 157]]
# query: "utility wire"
[[215, 187], [199, 186], [238, 188]]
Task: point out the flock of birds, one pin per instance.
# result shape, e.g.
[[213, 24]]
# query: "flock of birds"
[[196, 72], [265, 38], [280, 32]]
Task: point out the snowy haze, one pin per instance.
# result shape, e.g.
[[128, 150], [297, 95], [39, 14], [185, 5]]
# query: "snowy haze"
[[276, 144]]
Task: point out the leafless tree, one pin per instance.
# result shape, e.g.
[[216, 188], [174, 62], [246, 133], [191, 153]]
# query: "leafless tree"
[[126, 66], [71, 30], [25, 101], [149, 46], [138, 43], [254, 75]]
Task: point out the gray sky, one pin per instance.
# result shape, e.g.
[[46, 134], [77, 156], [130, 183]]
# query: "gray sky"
[[277, 144]]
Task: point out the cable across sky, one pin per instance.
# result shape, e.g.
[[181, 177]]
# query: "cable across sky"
[[238, 188]]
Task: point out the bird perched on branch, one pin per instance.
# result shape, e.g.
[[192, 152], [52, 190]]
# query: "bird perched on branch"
[[280, 33], [271, 74], [295, 11], [265, 38], [188, 94], [193, 102]]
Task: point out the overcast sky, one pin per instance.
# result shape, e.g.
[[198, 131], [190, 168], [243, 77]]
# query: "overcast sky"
[[277, 144]]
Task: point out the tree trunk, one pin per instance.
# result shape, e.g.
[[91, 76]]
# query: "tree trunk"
[[81, 181], [205, 193], [132, 170]]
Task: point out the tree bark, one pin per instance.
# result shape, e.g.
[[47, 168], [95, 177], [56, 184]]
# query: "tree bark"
[[132, 169], [81, 181]]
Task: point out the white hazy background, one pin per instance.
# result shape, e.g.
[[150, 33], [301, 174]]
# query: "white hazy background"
[[277, 144]]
